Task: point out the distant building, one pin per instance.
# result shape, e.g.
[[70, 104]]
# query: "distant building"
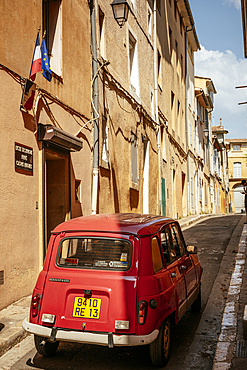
[[204, 93], [237, 158], [220, 168]]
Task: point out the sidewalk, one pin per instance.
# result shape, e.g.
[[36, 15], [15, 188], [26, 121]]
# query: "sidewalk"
[[11, 317]]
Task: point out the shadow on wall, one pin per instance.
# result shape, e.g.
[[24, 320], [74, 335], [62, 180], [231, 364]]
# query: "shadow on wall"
[[115, 193]]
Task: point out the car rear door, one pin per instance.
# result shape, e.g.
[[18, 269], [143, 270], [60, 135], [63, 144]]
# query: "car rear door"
[[173, 266], [185, 261], [91, 283]]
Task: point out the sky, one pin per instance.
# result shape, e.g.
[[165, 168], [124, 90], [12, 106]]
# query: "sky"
[[219, 29]]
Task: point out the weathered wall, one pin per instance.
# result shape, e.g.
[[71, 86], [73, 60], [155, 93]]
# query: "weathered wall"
[[65, 102]]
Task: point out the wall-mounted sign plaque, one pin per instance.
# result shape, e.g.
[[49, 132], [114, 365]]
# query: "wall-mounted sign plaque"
[[23, 159]]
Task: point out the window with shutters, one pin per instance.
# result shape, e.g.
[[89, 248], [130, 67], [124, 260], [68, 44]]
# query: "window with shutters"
[[149, 22], [134, 166], [133, 64], [237, 170], [192, 193], [52, 27]]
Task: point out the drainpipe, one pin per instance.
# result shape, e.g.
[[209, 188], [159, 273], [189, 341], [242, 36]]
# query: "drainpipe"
[[186, 124], [186, 116], [156, 107], [95, 91]]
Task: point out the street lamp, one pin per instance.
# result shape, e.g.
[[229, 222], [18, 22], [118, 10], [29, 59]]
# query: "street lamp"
[[206, 132], [120, 10]]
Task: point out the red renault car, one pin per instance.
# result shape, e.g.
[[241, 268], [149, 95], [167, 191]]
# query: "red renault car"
[[115, 280]]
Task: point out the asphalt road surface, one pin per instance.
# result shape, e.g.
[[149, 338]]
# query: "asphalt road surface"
[[189, 350]]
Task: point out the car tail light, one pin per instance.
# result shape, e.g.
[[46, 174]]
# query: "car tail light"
[[35, 304], [142, 312]]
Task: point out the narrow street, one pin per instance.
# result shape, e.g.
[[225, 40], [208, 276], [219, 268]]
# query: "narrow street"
[[190, 349]]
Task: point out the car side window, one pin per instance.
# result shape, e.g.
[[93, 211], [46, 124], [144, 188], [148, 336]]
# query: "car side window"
[[156, 255], [178, 241], [167, 245]]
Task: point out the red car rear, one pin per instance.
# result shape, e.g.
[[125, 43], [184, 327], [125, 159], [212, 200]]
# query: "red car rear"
[[114, 280]]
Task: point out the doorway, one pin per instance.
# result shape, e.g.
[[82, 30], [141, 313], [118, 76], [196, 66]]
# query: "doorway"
[[56, 190], [239, 199], [146, 177]]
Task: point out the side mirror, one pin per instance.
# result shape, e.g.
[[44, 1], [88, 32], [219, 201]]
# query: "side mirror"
[[192, 249]]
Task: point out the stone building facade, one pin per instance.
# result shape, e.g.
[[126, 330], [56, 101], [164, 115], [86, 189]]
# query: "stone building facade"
[[115, 130], [143, 143], [46, 152]]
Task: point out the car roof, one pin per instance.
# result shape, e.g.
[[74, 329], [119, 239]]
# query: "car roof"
[[130, 223]]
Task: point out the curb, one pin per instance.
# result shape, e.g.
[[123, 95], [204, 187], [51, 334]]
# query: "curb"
[[196, 219], [11, 319], [12, 339], [227, 340]]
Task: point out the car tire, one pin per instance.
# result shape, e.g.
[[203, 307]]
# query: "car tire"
[[160, 348], [44, 347], [197, 304]]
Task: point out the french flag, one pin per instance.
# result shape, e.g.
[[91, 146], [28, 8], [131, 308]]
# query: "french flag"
[[37, 61]]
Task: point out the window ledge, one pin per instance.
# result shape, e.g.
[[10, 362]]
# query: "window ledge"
[[104, 164], [135, 186]]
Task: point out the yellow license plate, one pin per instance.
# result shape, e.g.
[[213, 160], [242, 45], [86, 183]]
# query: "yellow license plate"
[[89, 308]]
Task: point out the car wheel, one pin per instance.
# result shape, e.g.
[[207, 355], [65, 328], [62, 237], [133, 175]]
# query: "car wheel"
[[44, 347], [160, 348], [197, 304]]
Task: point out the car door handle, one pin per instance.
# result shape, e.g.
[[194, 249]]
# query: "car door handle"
[[173, 274], [183, 267]]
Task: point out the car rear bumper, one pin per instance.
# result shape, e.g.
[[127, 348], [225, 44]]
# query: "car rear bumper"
[[108, 339]]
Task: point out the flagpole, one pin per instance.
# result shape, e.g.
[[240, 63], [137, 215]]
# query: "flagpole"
[[34, 52]]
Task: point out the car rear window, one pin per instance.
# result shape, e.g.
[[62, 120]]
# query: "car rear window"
[[95, 253]]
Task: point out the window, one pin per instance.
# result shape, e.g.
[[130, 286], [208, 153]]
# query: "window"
[[215, 160], [182, 68], [159, 69], [163, 146], [178, 108], [237, 170], [172, 99], [190, 127], [236, 147], [156, 255], [193, 95], [93, 253], [167, 246], [192, 193], [77, 190], [52, 24], [105, 149], [178, 241], [158, 4], [152, 103], [133, 64], [189, 90], [200, 189], [206, 194], [149, 22], [102, 32], [170, 39], [175, 9], [181, 24], [176, 48], [134, 158]]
